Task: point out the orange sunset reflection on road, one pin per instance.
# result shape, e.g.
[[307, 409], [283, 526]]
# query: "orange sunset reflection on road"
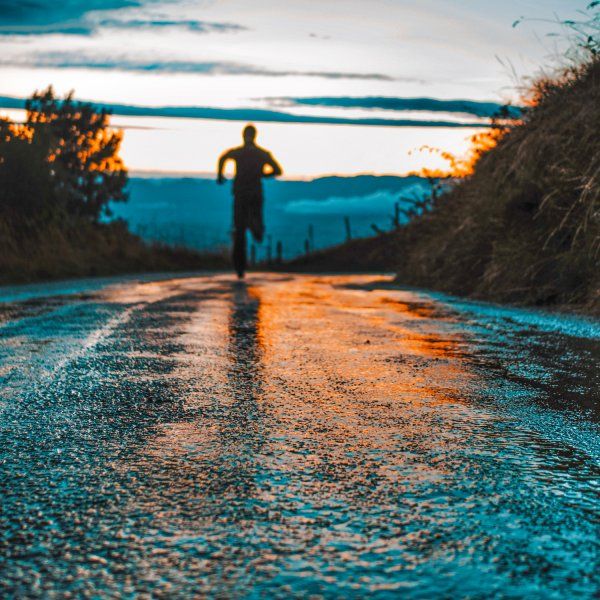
[[300, 421]]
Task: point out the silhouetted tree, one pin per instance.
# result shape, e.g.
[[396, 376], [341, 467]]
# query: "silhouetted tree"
[[26, 186], [65, 156]]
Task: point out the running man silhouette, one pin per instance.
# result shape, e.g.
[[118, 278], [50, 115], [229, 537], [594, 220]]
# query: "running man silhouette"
[[250, 162]]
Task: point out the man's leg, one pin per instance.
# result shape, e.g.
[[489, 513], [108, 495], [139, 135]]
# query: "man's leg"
[[239, 236], [255, 216], [239, 250]]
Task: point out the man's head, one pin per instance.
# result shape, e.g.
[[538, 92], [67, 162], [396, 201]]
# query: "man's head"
[[249, 134]]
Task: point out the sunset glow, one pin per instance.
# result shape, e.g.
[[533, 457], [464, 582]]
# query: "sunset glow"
[[238, 58]]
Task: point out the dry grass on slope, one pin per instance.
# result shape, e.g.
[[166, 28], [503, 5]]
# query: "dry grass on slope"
[[525, 226]]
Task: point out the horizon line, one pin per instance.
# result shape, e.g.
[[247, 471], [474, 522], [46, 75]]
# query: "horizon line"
[[157, 174]]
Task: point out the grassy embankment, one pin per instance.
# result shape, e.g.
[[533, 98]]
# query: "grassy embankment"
[[524, 226], [80, 249], [59, 171]]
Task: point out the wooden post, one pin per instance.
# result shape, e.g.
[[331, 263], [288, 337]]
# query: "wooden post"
[[279, 252], [253, 255], [348, 230], [306, 247]]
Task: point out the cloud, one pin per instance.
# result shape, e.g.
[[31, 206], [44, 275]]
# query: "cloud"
[[379, 202], [64, 28], [252, 114], [191, 25], [24, 13], [67, 60], [83, 27], [69, 17], [467, 107]]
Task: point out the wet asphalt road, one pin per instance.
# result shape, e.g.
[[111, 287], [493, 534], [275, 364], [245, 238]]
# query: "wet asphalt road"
[[294, 436]]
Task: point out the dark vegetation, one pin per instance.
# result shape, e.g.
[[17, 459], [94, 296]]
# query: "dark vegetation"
[[524, 225], [58, 173]]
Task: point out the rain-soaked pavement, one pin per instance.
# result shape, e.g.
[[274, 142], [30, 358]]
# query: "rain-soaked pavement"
[[293, 436]]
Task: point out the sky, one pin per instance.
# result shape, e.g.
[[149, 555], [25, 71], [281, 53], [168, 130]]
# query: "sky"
[[335, 86]]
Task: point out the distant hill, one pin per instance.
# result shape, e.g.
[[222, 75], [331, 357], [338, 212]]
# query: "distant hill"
[[197, 212]]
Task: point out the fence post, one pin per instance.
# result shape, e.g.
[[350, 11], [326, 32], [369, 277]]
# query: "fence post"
[[279, 252], [348, 230]]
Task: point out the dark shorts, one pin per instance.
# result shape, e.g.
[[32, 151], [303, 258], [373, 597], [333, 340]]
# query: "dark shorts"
[[248, 212]]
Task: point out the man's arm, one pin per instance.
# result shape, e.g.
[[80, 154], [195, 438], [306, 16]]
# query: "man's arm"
[[275, 167], [222, 160]]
